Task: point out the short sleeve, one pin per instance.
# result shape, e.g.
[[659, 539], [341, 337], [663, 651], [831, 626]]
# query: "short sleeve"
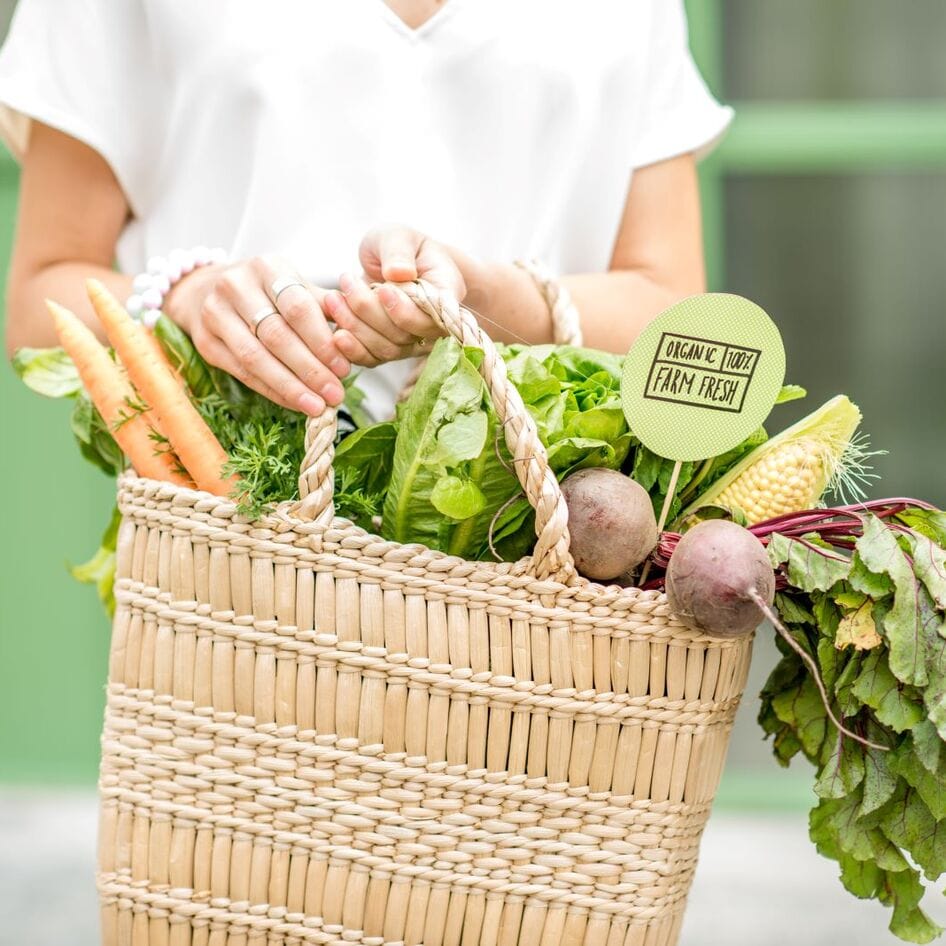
[[82, 67], [679, 114]]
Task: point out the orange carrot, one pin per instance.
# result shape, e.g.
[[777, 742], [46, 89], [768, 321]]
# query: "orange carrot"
[[158, 351], [177, 418], [111, 393]]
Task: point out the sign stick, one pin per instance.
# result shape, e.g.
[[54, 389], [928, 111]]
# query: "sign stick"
[[699, 379], [668, 499], [662, 521]]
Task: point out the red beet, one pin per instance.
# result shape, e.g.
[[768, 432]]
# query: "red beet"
[[711, 576], [611, 522]]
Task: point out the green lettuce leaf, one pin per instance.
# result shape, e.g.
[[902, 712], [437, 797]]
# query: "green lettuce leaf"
[[457, 498], [50, 372], [99, 570], [47, 371], [445, 432], [354, 401], [95, 440], [366, 456], [790, 392], [452, 485]]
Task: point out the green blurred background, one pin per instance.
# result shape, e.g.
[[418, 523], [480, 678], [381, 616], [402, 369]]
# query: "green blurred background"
[[826, 204]]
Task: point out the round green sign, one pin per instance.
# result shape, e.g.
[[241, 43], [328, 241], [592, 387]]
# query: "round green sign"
[[702, 376]]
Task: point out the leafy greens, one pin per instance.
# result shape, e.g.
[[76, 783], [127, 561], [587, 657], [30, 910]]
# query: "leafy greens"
[[452, 484], [874, 620]]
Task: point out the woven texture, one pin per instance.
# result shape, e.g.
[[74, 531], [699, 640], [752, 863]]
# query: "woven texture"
[[566, 323], [314, 735]]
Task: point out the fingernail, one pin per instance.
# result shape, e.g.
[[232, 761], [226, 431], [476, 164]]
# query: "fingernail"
[[345, 283], [333, 393], [388, 298], [344, 343], [339, 366], [311, 405], [332, 302]]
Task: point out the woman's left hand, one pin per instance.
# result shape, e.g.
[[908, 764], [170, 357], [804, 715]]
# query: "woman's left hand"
[[382, 324]]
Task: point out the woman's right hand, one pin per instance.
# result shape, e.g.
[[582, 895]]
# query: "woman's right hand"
[[290, 357]]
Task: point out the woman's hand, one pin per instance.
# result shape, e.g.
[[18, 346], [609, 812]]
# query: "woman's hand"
[[275, 339], [379, 325]]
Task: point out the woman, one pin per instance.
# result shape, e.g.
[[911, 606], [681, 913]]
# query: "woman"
[[494, 130]]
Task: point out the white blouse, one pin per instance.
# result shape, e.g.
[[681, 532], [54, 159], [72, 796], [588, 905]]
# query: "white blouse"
[[509, 128]]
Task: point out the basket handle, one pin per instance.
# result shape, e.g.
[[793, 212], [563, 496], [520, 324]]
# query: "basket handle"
[[551, 556]]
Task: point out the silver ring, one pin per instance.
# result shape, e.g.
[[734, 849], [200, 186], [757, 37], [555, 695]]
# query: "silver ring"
[[257, 320], [283, 283]]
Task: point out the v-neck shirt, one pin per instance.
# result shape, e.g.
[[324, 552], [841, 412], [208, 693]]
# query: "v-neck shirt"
[[509, 128]]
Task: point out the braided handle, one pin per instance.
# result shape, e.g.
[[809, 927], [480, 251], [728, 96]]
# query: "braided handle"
[[566, 324], [551, 557]]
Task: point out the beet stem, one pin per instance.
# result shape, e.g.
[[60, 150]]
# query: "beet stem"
[[809, 662], [838, 526]]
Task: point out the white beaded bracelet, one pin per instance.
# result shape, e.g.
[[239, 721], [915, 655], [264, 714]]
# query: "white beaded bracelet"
[[152, 286]]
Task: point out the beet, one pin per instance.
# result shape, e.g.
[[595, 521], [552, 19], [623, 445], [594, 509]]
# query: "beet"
[[611, 522], [712, 574]]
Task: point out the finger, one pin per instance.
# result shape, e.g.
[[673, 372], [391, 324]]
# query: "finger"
[[406, 315], [302, 310], [276, 335], [391, 253], [367, 307], [398, 249], [259, 368], [440, 268], [354, 350], [298, 304], [215, 351], [380, 348], [279, 338]]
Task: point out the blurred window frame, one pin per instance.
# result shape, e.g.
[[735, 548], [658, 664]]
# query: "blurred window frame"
[[804, 137]]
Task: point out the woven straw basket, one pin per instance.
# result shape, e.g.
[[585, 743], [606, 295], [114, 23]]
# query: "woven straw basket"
[[314, 735]]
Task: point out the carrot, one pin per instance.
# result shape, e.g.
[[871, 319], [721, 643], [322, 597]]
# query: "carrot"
[[111, 393], [177, 418], [158, 352]]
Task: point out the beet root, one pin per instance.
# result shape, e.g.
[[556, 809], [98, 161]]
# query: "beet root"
[[610, 520], [713, 572]]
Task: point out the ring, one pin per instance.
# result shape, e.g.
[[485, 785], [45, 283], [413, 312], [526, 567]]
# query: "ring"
[[283, 283], [257, 320]]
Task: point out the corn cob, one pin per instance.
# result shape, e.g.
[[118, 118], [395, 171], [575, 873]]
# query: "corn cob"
[[791, 472]]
